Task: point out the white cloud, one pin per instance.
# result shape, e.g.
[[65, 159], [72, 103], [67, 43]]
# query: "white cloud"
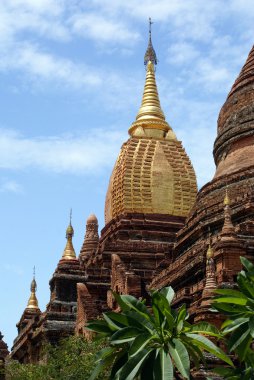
[[46, 66], [114, 24], [72, 154], [43, 18], [41, 68], [186, 19], [89, 154], [10, 186], [13, 269], [38, 6], [102, 29], [212, 66], [182, 53]]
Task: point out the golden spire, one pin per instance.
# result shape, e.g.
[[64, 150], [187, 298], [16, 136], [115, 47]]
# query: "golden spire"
[[33, 302], [228, 229], [226, 199], [209, 253], [150, 114], [69, 252]]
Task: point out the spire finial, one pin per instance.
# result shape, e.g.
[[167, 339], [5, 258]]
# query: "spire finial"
[[150, 25], [69, 252], [70, 216], [228, 230], [209, 253], [33, 302], [226, 199], [70, 230], [150, 55]]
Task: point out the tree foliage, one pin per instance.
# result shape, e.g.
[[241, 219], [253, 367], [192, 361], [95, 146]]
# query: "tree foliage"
[[152, 344], [73, 359], [238, 306]]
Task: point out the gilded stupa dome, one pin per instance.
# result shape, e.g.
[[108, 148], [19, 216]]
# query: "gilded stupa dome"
[[152, 174]]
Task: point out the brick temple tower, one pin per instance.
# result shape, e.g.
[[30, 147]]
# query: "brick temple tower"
[[23, 349], [3, 354], [59, 318], [151, 192], [223, 214]]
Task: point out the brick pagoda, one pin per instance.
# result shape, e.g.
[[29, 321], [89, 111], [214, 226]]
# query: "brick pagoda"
[[59, 319], [158, 230]]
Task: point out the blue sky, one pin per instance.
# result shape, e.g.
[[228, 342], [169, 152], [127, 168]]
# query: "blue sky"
[[72, 77]]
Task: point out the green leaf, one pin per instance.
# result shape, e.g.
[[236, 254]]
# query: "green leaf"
[[170, 320], [163, 367], [195, 352], [224, 371], [247, 264], [168, 293], [246, 285], [158, 315], [123, 305], [238, 336], [161, 302], [105, 352], [126, 334], [136, 305], [139, 343], [231, 300], [231, 325], [111, 324], [99, 327], [182, 312], [204, 328], [119, 318], [180, 357], [244, 348], [137, 318], [228, 309], [229, 293], [131, 369], [147, 369], [120, 360], [209, 346]]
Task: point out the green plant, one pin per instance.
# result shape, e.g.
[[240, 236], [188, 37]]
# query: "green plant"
[[238, 306], [152, 345], [73, 359]]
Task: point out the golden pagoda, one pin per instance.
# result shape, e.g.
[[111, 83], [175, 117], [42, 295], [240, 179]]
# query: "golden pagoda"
[[33, 302], [69, 252], [153, 174]]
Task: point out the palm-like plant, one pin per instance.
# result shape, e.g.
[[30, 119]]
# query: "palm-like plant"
[[152, 344], [238, 306]]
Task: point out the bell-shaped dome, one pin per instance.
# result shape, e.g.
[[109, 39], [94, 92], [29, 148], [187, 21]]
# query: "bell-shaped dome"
[[153, 174], [234, 145], [92, 219]]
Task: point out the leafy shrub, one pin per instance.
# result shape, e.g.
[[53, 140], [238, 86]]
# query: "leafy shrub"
[[238, 307], [152, 345], [73, 359]]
